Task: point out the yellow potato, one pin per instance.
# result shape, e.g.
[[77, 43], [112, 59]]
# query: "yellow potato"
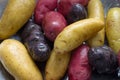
[[17, 61], [96, 10], [15, 15], [56, 66], [113, 28], [73, 35]]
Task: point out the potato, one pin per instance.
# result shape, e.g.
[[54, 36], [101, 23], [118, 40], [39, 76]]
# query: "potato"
[[77, 12], [95, 10], [73, 35], [64, 6], [42, 7], [52, 26], [103, 60], [56, 65], [17, 61], [79, 67], [35, 42], [15, 15], [113, 28]]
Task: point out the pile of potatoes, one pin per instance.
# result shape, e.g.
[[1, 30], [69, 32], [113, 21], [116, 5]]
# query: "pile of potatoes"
[[46, 36]]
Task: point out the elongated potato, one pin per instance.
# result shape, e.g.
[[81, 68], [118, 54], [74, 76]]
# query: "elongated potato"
[[95, 10], [17, 61], [79, 67], [57, 65], [73, 35], [15, 15], [113, 28]]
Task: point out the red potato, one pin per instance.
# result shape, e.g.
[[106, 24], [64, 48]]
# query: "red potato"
[[42, 7], [53, 23], [64, 6], [79, 68]]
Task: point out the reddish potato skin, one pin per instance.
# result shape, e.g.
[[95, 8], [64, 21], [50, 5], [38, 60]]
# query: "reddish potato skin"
[[64, 6], [79, 68], [42, 7], [53, 23]]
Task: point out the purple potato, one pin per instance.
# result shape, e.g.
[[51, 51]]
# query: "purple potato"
[[77, 12], [35, 42], [103, 59]]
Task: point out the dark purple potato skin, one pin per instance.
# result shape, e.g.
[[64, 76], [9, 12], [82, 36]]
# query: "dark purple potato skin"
[[77, 12], [103, 59], [53, 23], [35, 42]]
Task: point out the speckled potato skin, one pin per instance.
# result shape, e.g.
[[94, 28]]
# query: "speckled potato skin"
[[113, 28], [57, 65], [73, 35], [96, 10], [17, 61], [15, 15]]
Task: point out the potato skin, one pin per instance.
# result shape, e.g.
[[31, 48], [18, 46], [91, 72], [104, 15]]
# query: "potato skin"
[[95, 10], [52, 26], [64, 6], [77, 12], [113, 28], [103, 59], [17, 61], [42, 7], [79, 67], [57, 65], [15, 15], [35, 42], [73, 35]]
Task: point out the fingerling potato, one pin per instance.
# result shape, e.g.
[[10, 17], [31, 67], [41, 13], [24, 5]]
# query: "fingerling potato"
[[15, 15], [17, 61], [95, 10], [56, 65], [113, 28], [73, 35]]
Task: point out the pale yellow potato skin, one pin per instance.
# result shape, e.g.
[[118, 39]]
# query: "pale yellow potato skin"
[[113, 28], [96, 10], [57, 65], [17, 61], [15, 15], [73, 35]]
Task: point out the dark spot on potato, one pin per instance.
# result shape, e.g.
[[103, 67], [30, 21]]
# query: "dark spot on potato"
[[100, 41], [46, 72], [59, 59]]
